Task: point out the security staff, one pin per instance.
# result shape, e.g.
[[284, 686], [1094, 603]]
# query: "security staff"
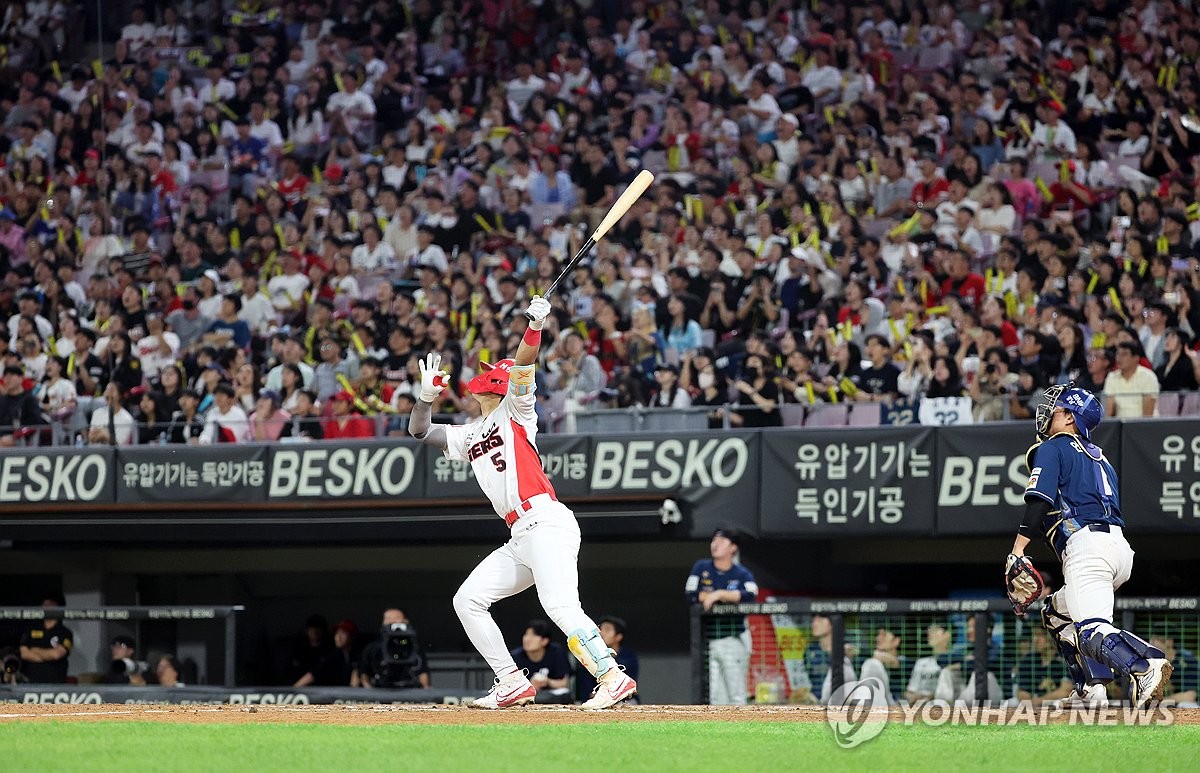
[[46, 647]]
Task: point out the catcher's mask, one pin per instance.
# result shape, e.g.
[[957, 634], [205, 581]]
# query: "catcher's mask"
[[492, 379], [1080, 402]]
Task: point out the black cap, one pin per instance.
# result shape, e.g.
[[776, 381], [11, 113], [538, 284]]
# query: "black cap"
[[123, 641], [728, 534]]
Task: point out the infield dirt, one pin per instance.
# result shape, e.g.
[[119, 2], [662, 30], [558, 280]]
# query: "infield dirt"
[[427, 715]]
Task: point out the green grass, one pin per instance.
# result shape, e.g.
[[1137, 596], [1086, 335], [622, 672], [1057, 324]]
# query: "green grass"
[[659, 746]]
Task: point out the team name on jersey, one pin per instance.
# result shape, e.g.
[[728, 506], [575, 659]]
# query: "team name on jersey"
[[489, 441]]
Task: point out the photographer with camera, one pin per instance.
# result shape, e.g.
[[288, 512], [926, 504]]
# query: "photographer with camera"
[[993, 386], [10, 667], [46, 647], [123, 669], [395, 660]]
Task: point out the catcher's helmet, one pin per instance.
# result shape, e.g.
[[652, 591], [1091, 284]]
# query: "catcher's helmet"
[[1080, 402]]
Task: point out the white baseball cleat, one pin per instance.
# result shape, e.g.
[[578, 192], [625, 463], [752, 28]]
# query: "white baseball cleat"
[[512, 690], [1093, 696], [1150, 684], [612, 688]]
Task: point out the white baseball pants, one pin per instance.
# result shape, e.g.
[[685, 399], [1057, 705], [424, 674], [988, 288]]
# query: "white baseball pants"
[[543, 551], [1095, 564], [728, 664]]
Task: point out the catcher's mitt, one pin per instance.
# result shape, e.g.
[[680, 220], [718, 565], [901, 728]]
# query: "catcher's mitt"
[[1022, 583]]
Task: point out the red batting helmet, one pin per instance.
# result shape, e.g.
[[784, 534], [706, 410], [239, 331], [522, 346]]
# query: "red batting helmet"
[[492, 379]]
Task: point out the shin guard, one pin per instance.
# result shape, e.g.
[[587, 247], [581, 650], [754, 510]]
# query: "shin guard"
[[589, 649]]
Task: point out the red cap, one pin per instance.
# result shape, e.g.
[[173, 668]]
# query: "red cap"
[[334, 173], [91, 153], [342, 395]]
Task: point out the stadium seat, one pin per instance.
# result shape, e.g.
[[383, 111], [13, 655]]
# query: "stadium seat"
[[588, 422], [825, 415], [1170, 404], [864, 415], [671, 420], [792, 414]]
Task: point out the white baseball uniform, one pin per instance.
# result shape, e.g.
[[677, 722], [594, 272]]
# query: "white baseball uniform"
[[544, 548]]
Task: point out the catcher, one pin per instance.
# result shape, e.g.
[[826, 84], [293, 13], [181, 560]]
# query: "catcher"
[[1072, 501]]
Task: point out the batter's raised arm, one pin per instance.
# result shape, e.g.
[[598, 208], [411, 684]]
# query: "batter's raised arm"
[[420, 421], [539, 309]]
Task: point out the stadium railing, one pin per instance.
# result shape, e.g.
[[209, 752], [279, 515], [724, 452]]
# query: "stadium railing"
[[571, 416], [135, 614], [789, 663]]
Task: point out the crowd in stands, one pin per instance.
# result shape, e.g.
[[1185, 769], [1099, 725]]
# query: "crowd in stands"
[[247, 220]]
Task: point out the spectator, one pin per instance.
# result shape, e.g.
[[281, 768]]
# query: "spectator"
[[885, 659], [334, 369], [292, 358], [306, 417], [1041, 675], [1180, 365], [880, 382], [945, 381], [167, 671], [268, 422], [1132, 389], [57, 396], [225, 421], [721, 580], [187, 322], [111, 423], [1185, 681], [576, 372], [338, 666], [19, 409], [1099, 365], [817, 659], [545, 662], [924, 677], [187, 424], [960, 663], [228, 327], [158, 348], [344, 421], [668, 393], [758, 395], [46, 647]]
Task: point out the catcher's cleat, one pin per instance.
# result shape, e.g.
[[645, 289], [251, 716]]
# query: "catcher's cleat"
[[1093, 696], [512, 690], [1148, 686], [612, 688]]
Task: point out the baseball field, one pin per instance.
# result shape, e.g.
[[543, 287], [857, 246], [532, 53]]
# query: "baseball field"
[[659, 738]]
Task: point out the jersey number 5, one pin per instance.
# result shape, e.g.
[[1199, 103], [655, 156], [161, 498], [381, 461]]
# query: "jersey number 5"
[[498, 460]]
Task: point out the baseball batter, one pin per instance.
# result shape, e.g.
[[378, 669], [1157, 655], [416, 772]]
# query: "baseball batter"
[[1072, 501], [544, 548]]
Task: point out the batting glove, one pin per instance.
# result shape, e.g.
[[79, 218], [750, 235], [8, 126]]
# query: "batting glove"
[[433, 380], [539, 309]]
